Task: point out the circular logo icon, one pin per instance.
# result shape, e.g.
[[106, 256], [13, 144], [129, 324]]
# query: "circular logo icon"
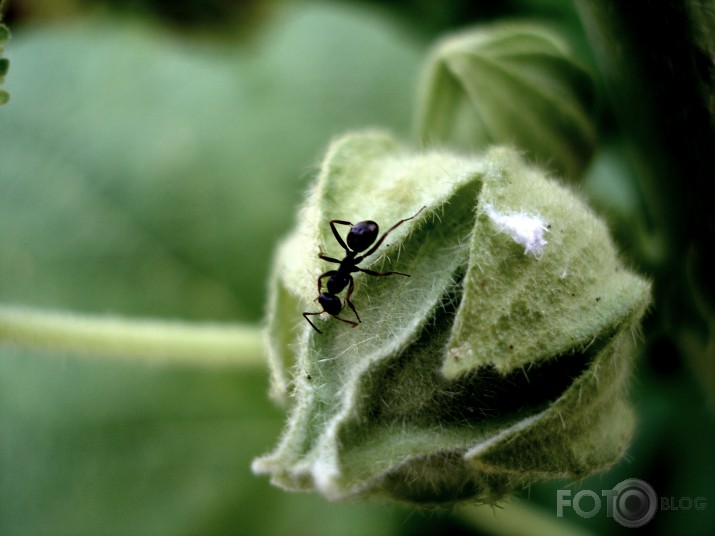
[[634, 503]]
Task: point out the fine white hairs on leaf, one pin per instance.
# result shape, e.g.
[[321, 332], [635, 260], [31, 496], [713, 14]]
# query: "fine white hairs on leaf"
[[523, 228], [325, 476]]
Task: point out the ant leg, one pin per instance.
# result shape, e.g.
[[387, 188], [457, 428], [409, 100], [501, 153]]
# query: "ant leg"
[[351, 322], [337, 235], [307, 314], [347, 298], [373, 249], [381, 274], [326, 258]]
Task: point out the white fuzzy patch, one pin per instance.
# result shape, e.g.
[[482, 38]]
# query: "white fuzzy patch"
[[523, 228], [325, 476]]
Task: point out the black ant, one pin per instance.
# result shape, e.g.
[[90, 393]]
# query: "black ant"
[[359, 238]]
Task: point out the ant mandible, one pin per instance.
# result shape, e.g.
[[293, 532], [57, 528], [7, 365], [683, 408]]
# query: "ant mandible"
[[359, 238]]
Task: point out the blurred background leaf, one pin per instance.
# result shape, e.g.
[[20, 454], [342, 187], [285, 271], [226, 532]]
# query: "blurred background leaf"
[[91, 448], [135, 157]]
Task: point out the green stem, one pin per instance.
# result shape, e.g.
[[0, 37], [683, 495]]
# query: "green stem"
[[236, 344], [515, 518]]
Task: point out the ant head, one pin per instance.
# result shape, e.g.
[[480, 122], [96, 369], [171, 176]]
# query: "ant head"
[[362, 235], [330, 303]]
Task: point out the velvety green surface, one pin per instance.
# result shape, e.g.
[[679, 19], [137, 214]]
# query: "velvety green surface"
[[492, 366]]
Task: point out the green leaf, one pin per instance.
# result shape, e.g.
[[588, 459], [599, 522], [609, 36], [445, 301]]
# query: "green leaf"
[[576, 290], [146, 175], [4, 62], [500, 361], [509, 84], [114, 447], [372, 177]]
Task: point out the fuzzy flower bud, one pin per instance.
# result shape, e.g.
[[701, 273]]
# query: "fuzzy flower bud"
[[501, 360], [509, 83]]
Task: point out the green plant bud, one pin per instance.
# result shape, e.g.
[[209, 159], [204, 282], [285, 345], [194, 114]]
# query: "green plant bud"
[[509, 84], [501, 360]]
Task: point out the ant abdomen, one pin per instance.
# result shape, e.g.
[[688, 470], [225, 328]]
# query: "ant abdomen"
[[330, 303]]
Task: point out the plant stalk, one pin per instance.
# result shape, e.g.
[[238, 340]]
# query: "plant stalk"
[[107, 336]]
